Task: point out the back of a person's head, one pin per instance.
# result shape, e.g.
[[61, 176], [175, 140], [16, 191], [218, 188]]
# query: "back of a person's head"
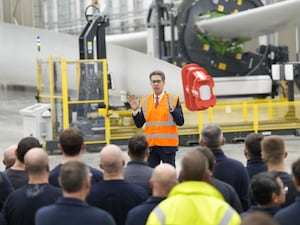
[[137, 146], [258, 218], [111, 159], [263, 185], [296, 170], [72, 176], [164, 178], [194, 166], [212, 136], [25, 145], [253, 144], [36, 161], [71, 141], [273, 149], [9, 155], [210, 157]]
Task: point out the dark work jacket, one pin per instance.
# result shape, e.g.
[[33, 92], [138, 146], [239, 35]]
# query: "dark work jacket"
[[287, 180], [138, 172], [139, 214], [290, 214], [116, 197], [229, 194], [255, 166], [5, 188], [270, 210], [97, 175], [21, 205], [234, 173], [72, 211]]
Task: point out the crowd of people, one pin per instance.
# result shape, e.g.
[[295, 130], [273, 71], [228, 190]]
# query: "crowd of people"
[[209, 188]]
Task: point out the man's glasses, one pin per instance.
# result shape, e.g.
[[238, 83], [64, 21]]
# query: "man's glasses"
[[285, 189], [156, 81]]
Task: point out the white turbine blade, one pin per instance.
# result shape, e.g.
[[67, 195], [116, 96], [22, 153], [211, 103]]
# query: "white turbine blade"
[[253, 22]]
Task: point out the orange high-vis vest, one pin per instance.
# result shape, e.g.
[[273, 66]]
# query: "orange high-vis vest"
[[160, 128]]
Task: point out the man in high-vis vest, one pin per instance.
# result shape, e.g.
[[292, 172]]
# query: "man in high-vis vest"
[[194, 200], [161, 113]]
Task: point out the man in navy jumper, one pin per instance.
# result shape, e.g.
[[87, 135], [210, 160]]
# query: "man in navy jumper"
[[16, 173], [71, 143], [163, 179], [268, 193], [228, 192], [137, 170], [274, 154], [114, 194], [75, 181], [21, 205], [252, 153], [226, 169]]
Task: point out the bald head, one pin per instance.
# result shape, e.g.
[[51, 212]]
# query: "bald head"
[[111, 160], [36, 161], [163, 179], [9, 156]]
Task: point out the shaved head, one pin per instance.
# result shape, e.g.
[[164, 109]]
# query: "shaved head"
[[9, 156], [36, 161], [111, 159], [164, 177]]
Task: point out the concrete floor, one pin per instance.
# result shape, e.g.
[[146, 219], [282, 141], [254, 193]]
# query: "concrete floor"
[[12, 100]]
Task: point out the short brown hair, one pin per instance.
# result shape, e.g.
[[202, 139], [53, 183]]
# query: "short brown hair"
[[194, 165], [138, 146], [71, 141], [273, 148], [253, 144], [72, 176]]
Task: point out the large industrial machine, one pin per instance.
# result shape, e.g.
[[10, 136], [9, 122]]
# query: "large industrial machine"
[[176, 38]]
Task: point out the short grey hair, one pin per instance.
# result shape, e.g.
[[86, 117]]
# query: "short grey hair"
[[212, 136]]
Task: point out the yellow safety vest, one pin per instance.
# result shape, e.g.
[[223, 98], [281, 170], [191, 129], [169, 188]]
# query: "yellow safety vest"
[[196, 203], [160, 128]]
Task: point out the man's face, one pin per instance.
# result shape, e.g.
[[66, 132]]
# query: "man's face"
[[157, 84]]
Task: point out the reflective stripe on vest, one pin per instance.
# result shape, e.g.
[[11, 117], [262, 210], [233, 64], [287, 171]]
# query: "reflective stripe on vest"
[[162, 136], [160, 215], [159, 123], [227, 216], [224, 221]]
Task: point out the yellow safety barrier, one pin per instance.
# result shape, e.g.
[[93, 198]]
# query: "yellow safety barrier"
[[77, 91], [245, 116]]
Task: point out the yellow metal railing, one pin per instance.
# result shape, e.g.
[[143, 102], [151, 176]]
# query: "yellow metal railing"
[[245, 116], [235, 116], [59, 85], [67, 102]]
